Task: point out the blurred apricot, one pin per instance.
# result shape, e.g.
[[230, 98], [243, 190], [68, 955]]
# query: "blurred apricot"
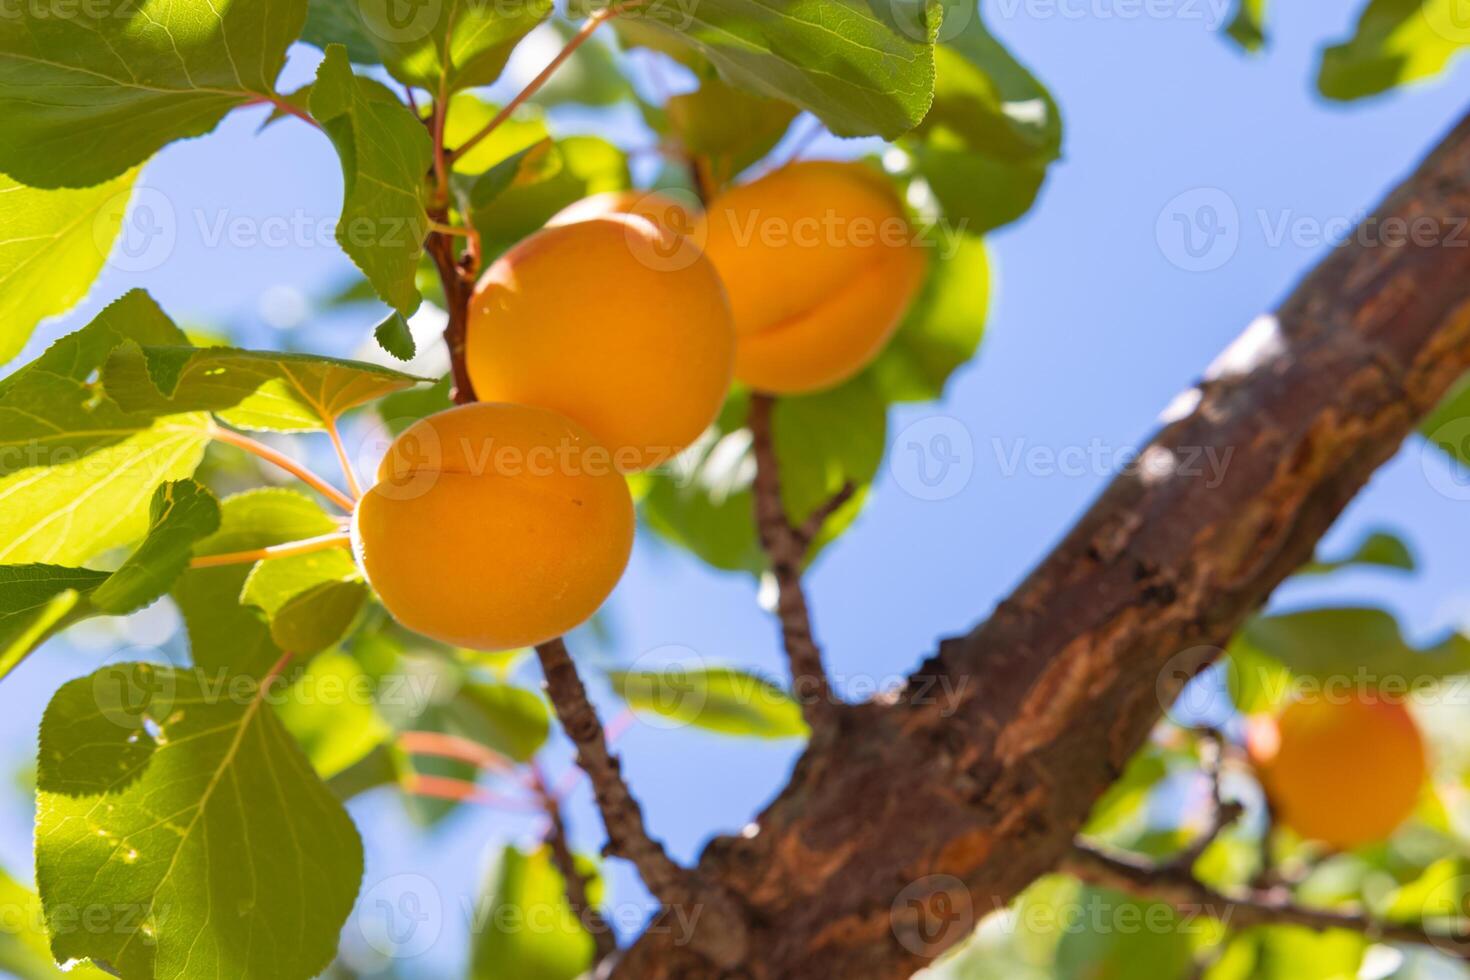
[[820, 264], [670, 214], [613, 322], [1345, 771], [494, 526]]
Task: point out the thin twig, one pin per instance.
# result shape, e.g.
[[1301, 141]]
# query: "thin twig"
[[348, 473], [283, 461], [787, 550], [444, 746], [566, 862], [462, 791], [1222, 812], [725, 941], [281, 104], [1252, 907], [627, 836], [458, 286], [324, 542], [594, 21]]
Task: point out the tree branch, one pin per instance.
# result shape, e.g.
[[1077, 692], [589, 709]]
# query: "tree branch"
[[627, 836], [975, 778], [786, 548], [1175, 886]]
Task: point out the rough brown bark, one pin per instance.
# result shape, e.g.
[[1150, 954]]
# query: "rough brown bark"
[[924, 812]]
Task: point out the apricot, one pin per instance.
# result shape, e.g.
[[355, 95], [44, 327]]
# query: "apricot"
[[613, 322], [820, 264], [664, 210], [494, 526], [1345, 771]]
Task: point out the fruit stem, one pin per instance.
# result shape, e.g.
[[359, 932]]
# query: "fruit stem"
[[285, 462], [353, 487], [324, 542], [594, 20]]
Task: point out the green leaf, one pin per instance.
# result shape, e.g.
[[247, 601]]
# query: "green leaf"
[[469, 114], [511, 720], [385, 155], [401, 409], [862, 69], [76, 471], [535, 163], [51, 411], [719, 699], [25, 949], [179, 515], [1396, 41], [1448, 427], [574, 168], [826, 440], [89, 93], [943, 327], [1352, 643], [247, 389], [310, 600], [338, 22], [1248, 27], [728, 126], [1378, 548], [394, 336], [1102, 946], [592, 76], [985, 146], [447, 46], [35, 602], [221, 853], [329, 711], [523, 889], [55, 244], [703, 503], [38, 601], [1290, 953], [224, 634]]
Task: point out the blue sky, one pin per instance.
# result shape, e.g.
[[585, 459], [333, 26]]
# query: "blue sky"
[[1094, 328]]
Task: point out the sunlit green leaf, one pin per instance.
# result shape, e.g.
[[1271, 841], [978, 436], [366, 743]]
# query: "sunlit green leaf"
[[385, 155], [1247, 27], [247, 389], [524, 888], [862, 69], [1396, 41], [92, 91], [729, 127], [943, 327], [719, 699], [55, 243], [310, 600], [329, 711], [1378, 548], [225, 634], [221, 853]]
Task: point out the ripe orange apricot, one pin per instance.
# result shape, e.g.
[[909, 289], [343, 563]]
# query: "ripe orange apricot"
[[662, 209], [612, 322], [820, 263], [494, 526], [1346, 771]]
